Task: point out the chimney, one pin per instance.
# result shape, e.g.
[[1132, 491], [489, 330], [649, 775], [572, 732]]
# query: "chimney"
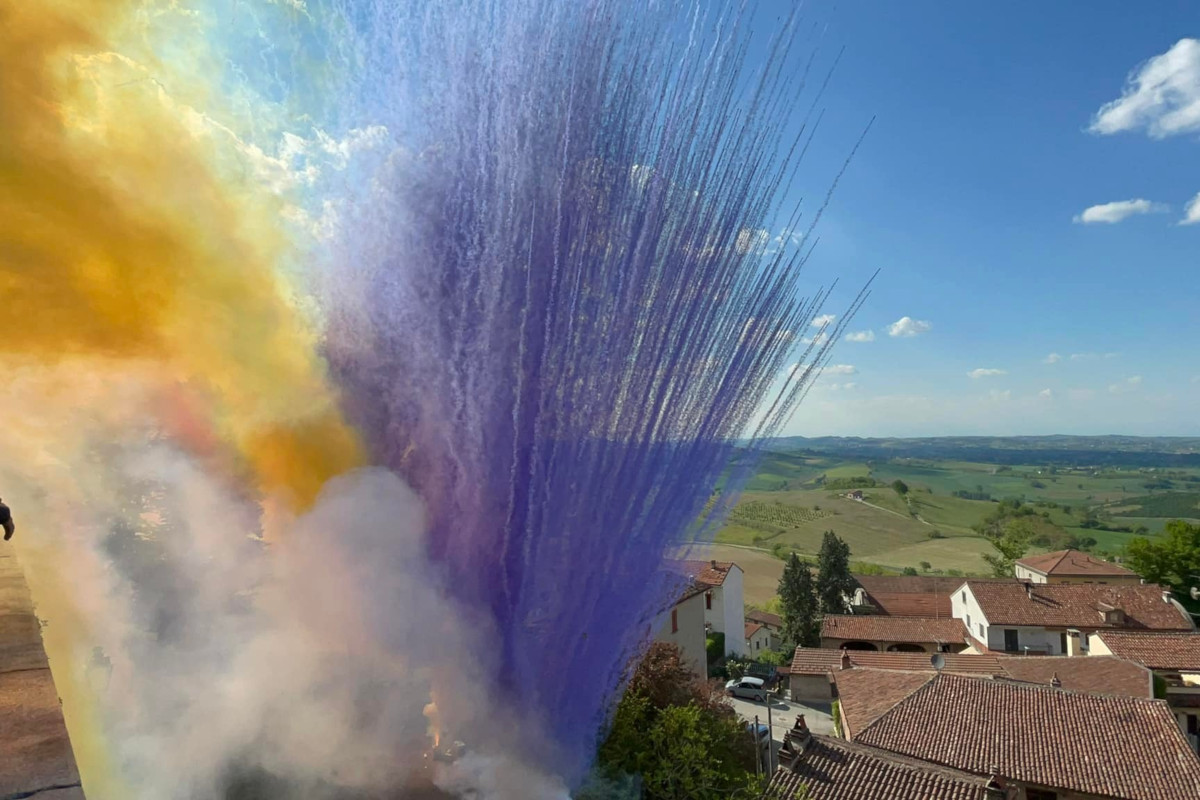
[[795, 742], [714, 563], [1054, 681], [994, 789], [1167, 598], [1028, 589], [845, 659]]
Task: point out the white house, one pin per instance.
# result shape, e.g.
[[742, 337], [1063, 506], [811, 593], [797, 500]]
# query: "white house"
[[757, 638], [683, 626], [724, 603], [1052, 619]]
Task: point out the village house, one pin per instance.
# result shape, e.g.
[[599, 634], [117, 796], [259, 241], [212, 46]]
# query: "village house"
[[1174, 658], [758, 639], [1072, 566], [817, 767], [811, 672], [724, 603], [683, 626], [906, 595], [772, 622], [1048, 619], [893, 634], [1039, 742]]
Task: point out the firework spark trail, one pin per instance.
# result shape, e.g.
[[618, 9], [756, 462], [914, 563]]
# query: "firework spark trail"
[[571, 313]]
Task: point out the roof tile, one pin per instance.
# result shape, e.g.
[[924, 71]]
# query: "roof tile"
[[1112, 746], [1162, 651], [1076, 605], [1068, 563], [893, 629]]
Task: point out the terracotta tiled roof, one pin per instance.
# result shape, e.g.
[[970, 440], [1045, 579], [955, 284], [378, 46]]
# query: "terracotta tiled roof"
[[867, 694], [1100, 674], [1110, 746], [817, 661], [752, 628], [1077, 605], [770, 620], [834, 769], [913, 595], [1066, 563], [893, 629], [1164, 651], [710, 573], [907, 604]]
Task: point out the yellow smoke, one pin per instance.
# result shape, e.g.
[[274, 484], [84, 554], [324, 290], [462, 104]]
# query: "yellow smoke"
[[127, 232], [132, 233]]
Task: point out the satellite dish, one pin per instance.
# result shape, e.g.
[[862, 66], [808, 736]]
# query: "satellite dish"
[[1195, 593], [938, 660]]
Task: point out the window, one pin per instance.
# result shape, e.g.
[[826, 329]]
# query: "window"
[[1062, 642], [1040, 794], [1010, 640], [674, 620], [964, 596], [968, 622], [708, 601], [1193, 724], [981, 630]]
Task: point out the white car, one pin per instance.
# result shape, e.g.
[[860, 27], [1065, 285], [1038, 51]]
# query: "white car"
[[747, 687]]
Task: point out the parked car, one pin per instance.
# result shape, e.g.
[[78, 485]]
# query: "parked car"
[[748, 687]]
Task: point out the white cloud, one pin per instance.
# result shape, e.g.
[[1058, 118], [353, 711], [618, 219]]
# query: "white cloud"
[[1000, 395], [1053, 358], [985, 373], [1045, 394], [840, 369], [908, 327], [1162, 96], [819, 339], [1191, 214], [861, 336], [1112, 213], [823, 320], [1092, 356], [1128, 385]]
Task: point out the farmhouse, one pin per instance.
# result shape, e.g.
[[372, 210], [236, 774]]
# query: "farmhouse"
[[905, 595], [1047, 619], [1043, 742], [1072, 566]]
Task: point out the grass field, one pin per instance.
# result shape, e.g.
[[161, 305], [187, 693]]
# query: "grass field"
[[786, 507]]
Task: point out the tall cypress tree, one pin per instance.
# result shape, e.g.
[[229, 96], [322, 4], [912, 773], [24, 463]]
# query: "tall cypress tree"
[[799, 601], [833, 574]]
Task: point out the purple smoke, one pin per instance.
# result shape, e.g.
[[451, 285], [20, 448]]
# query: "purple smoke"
[[559, 310]]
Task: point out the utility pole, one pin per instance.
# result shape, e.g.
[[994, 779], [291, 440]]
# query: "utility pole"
[[770, 740], [757, 749]]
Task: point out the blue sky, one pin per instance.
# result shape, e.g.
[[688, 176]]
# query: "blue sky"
[[970, 194]]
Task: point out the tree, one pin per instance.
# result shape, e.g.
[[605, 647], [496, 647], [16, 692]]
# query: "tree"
[[926, 566], [679, 735], [799, 601], [1172, 559], [910, 570], [833, 574], [1009, 546], [900, 486]]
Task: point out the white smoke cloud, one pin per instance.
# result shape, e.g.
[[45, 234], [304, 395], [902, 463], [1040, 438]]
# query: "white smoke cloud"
[[301, 668]]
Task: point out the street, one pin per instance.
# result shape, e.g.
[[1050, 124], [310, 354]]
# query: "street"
[[783, 715]]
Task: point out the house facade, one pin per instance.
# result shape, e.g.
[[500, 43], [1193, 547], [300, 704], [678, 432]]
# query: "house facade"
[[758, 639], [683, 626], [772, 622], [1072, 566], [892, 634], [1053, 619], [724, 602]]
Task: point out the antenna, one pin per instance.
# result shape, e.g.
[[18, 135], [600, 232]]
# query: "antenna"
[[938, 660]]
